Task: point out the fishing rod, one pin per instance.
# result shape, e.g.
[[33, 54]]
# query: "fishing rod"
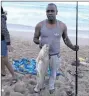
[[76, 76]]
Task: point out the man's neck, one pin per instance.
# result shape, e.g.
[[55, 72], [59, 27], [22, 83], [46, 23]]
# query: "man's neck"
[[52, 21]]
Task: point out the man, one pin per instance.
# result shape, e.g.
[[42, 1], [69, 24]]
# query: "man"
[[5, 47], [50, 32]]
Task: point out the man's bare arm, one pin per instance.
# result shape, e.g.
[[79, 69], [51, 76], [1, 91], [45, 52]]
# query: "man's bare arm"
[[37, 33], [67, 40]]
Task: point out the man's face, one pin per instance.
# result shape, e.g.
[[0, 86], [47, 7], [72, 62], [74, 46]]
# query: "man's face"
[[51, 12]]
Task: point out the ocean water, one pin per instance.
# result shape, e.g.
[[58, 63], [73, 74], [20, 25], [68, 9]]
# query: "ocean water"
[[23, 16]]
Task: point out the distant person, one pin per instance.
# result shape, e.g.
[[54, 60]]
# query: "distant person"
[[5, 47], [50, 32]]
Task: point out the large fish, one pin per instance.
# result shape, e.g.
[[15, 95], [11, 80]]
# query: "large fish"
[[42, 66]]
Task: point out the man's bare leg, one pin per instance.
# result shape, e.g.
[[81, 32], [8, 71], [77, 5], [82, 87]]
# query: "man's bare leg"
[[9, 66], [3, 72]]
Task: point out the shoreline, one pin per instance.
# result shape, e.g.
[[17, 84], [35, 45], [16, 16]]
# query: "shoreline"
[[29, 36]]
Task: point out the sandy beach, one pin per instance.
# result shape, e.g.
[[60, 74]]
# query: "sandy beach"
[[24, 47]]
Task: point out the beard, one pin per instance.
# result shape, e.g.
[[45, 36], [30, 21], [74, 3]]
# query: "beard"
[[51, 18]]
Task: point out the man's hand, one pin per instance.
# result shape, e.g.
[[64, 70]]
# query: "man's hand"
[[10, 48], [75, 48]]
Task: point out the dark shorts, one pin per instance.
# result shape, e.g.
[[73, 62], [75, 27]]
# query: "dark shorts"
[[3, 48]]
